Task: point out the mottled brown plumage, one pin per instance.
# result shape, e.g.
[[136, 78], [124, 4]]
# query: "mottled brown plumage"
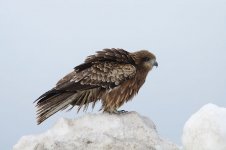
[[113, 76]]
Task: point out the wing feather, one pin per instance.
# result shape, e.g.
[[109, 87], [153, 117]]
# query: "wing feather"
[[106, 75], [101, 74]]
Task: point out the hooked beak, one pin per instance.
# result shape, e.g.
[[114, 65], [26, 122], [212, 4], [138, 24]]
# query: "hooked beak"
[[155, 64]]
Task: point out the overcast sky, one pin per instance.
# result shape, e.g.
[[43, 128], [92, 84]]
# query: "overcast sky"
[[42, 40]]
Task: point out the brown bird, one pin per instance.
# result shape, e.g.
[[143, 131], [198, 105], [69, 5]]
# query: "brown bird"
[[113, 76]]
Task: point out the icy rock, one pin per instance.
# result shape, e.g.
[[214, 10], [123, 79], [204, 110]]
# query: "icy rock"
[[128, 131], [206, 129]]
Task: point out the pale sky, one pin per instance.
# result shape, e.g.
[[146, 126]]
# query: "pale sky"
[[42, 40]]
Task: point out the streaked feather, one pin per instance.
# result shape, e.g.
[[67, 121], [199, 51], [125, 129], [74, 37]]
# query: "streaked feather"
[[113, 76]]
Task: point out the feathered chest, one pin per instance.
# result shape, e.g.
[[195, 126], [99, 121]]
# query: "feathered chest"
[[125, 91]]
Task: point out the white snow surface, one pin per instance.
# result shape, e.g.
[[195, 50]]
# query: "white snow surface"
[[99, 132], [206, 129]]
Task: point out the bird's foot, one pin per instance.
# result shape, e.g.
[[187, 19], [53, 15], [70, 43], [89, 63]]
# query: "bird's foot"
[[119, 111]]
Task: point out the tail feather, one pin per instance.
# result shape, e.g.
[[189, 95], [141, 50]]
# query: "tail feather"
[[49, 94], [54, 103]]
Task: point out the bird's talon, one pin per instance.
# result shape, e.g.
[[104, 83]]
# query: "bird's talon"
[[122, 111]]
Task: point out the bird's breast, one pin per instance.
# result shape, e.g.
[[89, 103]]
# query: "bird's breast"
[[124, 92]]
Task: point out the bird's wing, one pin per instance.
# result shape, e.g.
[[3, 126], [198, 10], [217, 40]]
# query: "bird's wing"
[[107, 68], [102, 74], [106, 74]]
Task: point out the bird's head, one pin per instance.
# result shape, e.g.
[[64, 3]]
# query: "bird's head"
[[145, 59]]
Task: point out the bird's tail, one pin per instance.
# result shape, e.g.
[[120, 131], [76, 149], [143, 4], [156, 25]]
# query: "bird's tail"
[[51, 102]]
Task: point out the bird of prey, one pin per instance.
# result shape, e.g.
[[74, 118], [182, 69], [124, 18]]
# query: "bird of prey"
[[112, 76]]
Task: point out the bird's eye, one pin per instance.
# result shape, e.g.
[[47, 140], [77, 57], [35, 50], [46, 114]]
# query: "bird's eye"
[[146, 59]]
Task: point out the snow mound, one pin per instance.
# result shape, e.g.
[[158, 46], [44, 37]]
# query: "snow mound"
[[99, 131], [206, 129]]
